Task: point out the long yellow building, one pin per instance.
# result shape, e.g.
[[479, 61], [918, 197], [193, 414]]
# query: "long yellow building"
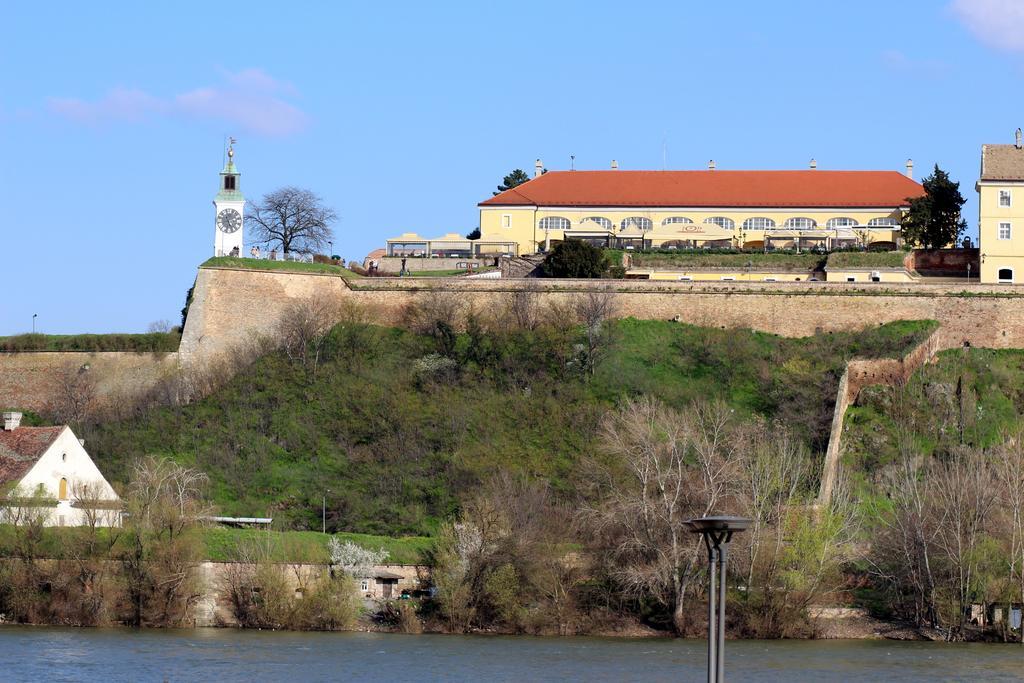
[[712, 208], [1001, 212]]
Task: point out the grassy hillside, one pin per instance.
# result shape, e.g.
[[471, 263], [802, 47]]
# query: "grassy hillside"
[[970, 397], [394, 434]]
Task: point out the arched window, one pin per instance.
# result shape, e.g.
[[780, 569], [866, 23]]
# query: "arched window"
[[605, 223], [800, 223], [1005, 275], [758, 223], [675, 219], [841, 222], [636, 222], [554, 223], [62, 490], [720, 221], [883, 223]]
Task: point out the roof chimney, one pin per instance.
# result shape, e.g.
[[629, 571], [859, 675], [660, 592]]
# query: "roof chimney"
[[12, 421], [910, 168], [615, 165], [538, 168], [711, 165], [1018, 139], [814, 165]]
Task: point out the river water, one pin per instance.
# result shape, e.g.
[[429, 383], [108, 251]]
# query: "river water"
[[223, 655]]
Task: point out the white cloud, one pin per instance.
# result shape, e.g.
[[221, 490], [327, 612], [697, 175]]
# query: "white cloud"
[[998, 23], [250, 99]]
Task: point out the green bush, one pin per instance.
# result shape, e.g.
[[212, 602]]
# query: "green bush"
[[149, 342], [576, 259]]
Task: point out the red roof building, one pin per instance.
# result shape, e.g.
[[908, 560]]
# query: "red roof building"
[[712, 208]]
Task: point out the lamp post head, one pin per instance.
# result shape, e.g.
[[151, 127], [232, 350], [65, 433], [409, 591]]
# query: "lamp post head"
[[717, 523], [717, 530]]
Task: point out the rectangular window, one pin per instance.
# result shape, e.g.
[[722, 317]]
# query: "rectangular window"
[[229, 182], [364, 585], [1004, 198], [506, 220], [851, 279], [1004, 231]]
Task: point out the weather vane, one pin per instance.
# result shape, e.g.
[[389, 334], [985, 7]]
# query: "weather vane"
[[231, 148]]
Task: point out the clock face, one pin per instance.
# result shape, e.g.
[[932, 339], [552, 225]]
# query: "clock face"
[[229, 220]]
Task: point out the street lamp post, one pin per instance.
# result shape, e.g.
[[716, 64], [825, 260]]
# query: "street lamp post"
[[717, 532], [34, 316], [331, 245]]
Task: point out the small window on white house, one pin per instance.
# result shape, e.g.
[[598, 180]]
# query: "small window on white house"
[[63, 457], [506, 220], [364, 585], [851, 279], [1004, 198], [1004, 231]]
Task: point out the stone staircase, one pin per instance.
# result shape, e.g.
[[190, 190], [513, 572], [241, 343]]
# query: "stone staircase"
[[519, 266]]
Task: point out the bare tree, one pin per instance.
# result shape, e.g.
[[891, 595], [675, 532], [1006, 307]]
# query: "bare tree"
[[522, 309], [961, 489], [75, 397], [304, 328], [292, 218], [665, 467], [160, 326], [1008, 460], [165, 501], [595, 309]]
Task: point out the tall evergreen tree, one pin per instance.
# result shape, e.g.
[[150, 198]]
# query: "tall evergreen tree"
[[513, 179], [934, 220]]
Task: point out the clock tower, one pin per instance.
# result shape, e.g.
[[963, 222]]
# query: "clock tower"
[[229, 205]]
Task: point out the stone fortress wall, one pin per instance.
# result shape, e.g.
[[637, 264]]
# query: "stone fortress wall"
[[232, 308]]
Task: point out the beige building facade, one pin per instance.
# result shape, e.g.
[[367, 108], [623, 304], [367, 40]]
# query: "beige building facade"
[[766, 210], [1001, 213]]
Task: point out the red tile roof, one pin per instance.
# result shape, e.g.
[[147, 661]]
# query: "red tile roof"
[[807, 189], [21, 448]]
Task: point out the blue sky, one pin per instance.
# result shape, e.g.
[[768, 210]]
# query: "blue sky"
[[404, 116]]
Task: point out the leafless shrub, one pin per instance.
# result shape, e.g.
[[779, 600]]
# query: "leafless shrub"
[[595, 309], [522, 308], [75, 395], [663, 468], [304, 327], [160, 326], [427, 312], [165, 501]]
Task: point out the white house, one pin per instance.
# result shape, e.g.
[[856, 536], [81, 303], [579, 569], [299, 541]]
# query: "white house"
[[50, 465]]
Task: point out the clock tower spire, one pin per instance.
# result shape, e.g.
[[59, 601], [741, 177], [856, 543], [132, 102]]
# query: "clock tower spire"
[[229, 205]]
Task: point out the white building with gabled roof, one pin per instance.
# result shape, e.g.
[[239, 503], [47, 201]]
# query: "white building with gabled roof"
[[46, 471]]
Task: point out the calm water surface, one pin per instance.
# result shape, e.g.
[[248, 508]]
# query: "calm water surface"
[[108, 655]]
